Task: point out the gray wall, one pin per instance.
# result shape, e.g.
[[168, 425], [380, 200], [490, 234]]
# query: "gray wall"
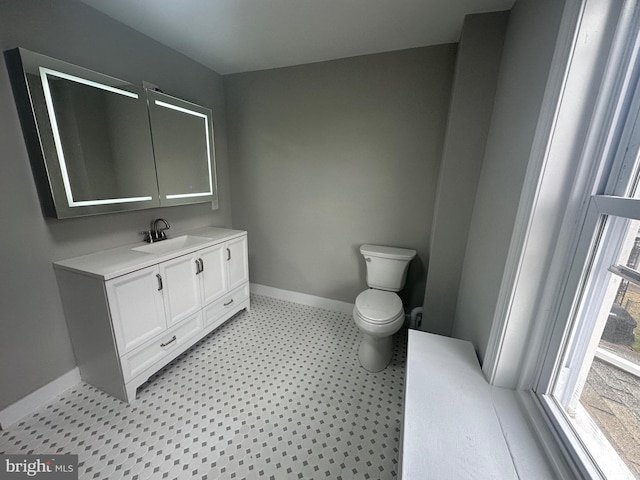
[[528, 50], [34, 344], [474, 87], [331, 155]]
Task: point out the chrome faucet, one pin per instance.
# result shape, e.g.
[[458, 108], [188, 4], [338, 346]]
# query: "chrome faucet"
[[156, 234]]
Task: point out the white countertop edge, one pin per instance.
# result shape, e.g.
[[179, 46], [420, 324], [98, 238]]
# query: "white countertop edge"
[[118, 261]]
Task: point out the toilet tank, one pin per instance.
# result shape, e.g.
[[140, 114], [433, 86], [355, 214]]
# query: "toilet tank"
[[386, 266]]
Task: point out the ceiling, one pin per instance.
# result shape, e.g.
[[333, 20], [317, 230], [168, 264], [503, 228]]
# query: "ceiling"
[[231, 36]]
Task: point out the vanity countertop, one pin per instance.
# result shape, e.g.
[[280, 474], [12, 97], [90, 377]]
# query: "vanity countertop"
[[108, 264]]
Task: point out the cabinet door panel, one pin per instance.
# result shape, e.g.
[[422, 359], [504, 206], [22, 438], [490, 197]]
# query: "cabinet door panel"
[[181, 288], [237, 262], [214, 274], [136, 308]]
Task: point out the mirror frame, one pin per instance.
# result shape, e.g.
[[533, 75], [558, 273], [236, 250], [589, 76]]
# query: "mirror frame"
[[43, 140]]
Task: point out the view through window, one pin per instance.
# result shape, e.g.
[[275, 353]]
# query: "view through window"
[[599, 382], [598, 385], [611, 391]]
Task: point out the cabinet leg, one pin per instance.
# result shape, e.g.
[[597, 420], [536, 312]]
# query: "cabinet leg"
[[131, 392]]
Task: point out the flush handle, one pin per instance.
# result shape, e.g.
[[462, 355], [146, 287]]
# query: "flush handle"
[[368, 259]]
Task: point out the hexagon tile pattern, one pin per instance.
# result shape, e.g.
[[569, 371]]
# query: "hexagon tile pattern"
[[275, 393]]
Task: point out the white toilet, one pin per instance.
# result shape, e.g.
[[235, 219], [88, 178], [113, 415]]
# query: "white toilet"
[[378, 312]]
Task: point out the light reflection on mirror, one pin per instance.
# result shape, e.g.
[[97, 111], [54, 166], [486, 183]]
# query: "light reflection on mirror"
[[94, 145], [183, 154]]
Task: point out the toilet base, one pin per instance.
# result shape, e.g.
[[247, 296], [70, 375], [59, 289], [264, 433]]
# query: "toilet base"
[[375, 352]]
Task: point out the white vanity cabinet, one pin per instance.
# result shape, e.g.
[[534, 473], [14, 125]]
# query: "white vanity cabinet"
[[131, 313]]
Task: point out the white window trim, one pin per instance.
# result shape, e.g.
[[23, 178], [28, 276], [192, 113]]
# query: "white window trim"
[[498, 370], [608, 131], [533, 211], [618, 362], [521, 364]]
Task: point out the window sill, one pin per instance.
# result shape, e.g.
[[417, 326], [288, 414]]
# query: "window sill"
[[575, 438], [456, 425], [608, 460]]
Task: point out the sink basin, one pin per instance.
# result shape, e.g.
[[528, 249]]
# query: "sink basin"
[[171, 245]]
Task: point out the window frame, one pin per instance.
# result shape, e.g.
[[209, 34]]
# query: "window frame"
[[568, 363], [600, 168], [607, 197]]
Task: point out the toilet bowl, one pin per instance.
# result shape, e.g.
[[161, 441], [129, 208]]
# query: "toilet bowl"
[[378, 312]]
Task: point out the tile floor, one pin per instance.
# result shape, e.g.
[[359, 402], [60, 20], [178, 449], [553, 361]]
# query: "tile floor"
[[275, 393]]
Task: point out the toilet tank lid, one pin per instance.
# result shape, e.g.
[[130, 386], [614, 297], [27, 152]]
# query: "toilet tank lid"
[[388, 252]]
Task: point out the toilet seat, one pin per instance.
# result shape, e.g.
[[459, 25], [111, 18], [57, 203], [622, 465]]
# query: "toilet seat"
[[378, 307]]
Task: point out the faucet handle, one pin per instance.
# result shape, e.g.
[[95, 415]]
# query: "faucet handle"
[[148, 236]]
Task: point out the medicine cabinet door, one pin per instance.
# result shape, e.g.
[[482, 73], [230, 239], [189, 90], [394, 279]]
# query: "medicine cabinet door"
[[183, 145], [87, 134]]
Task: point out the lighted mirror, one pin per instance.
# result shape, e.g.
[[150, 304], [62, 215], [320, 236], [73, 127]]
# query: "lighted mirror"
[[184, 150], [88, 136]]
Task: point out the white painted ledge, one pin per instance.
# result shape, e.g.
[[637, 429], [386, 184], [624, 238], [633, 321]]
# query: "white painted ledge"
[[13, 413], [302, 298], [458, 426]]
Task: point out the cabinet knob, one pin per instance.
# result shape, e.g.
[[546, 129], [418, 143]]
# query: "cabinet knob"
[[228, 254], [199, 266], [159, 277]]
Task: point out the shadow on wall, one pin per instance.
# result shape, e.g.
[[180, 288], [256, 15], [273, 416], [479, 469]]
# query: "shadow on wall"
[[413, 294]]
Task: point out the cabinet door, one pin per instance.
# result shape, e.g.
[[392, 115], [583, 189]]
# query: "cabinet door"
[[181, 288], [237, 263], [214, 273], [137, 311]]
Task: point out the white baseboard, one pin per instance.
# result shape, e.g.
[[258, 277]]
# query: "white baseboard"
[[303, 298], [26, 405]]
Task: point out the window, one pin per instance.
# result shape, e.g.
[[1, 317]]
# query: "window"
[[573, 259], [589, 380], [597, 383]]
